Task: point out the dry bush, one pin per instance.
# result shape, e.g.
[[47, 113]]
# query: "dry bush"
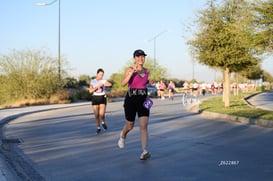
[[60, 97], [25, 102], [117, 93]]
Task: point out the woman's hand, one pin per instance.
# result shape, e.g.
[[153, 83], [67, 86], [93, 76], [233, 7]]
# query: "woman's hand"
[[99, 85], [132, 69], [92, 89]]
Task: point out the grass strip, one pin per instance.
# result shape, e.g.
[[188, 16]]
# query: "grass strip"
[[238, 107]]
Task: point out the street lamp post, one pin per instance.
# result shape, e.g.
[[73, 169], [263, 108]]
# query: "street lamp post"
[[154, 39], [193, 73], [59, 33]]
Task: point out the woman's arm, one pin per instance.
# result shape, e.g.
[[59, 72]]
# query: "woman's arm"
[[100, 85], [127, 75], [107, 83], [92, 89]]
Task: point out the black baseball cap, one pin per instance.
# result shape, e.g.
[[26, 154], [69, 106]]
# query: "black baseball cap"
[[139, 53]]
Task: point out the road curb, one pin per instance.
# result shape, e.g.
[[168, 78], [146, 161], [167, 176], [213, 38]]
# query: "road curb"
[[243, 120], [26, 112]]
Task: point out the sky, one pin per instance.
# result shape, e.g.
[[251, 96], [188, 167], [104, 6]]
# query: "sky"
[[104, 34]]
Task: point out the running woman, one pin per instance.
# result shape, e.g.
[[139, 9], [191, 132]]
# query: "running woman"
[[136, 77], [97, 88]]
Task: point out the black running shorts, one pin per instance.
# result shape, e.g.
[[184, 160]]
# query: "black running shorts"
[[97, 100], [134, 105]]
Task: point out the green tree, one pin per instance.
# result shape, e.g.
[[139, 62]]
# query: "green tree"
[[267, 77], [116, 79], [225, 39], [264, 20], [27, 74], [252, 72], [70, 82], [157, 72], [84, 80]]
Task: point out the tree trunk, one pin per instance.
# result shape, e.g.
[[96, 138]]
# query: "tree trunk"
[[236, 86], [226, 88]]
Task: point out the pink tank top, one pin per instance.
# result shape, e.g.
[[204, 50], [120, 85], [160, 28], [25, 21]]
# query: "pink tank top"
[[138, 82]]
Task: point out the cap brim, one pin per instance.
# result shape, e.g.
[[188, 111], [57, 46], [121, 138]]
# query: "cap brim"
[[142, 54]]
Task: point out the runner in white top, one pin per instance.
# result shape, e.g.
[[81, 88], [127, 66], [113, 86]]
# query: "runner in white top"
[[97, 88]]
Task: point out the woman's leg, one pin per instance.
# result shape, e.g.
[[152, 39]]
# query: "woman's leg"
[[143, 127], [129, 125], [96, 114], [102, 108]]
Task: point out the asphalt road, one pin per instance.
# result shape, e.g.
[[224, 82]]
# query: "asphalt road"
[[62, 145]]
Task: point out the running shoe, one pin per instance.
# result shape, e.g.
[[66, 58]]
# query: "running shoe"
[[104, 126], [145, 155], [98, 131], [121, 142]]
